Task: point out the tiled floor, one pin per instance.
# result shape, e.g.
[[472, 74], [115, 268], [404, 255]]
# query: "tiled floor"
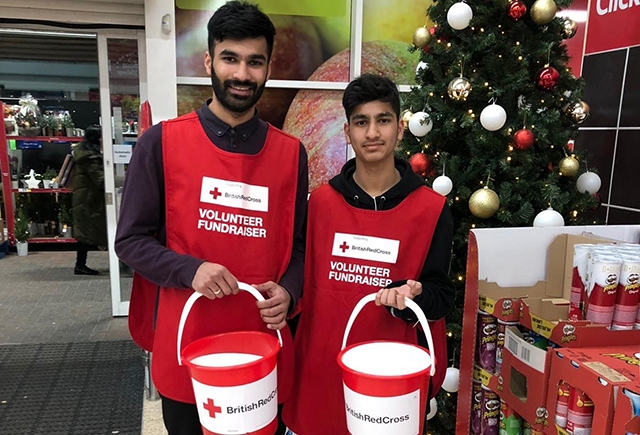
[[42, 301]]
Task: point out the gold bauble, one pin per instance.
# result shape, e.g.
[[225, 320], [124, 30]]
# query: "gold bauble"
[[543, 11], [569, 27], [569, 166], [579, 112], [406, 116], [459, 89], [484, 203], [421, 37]]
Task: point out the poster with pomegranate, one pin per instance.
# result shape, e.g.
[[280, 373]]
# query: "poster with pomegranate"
[[312, 44]]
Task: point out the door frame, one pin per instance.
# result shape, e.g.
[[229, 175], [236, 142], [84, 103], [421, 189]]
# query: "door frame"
[[118, 306]]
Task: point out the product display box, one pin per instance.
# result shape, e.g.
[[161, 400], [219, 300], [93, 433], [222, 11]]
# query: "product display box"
[[609, 376], [626, 419], [525, 370], [529, 265]]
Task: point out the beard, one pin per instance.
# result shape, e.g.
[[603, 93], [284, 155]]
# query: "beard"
[[235, 103]]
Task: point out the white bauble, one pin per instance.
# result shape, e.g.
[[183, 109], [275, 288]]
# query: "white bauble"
[[588, 182], [443, 185], [433, 408], [459, 16], [421, 66], [548, 218], [493, 117], [420, 124], [451, 380]]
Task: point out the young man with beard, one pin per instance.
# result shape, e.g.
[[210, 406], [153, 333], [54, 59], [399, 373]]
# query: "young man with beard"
[[212, 198], [374, 228]]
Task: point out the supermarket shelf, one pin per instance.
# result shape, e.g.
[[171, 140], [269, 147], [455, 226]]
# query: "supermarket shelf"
[[41, 190], [47, 138], [51, 239]]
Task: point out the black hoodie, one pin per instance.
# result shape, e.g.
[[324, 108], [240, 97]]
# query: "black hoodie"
[[438, 291]]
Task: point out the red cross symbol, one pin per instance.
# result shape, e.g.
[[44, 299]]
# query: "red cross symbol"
[[344, 247], [212, 408], [215, 193]]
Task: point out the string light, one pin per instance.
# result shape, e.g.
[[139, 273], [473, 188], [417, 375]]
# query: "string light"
[[449, 45], [449, 334], [509, 159], [519, 57], [486, 84], [510, 148], [473, 225], [575, 213], [431, 94], [457, 198], [517, 42], [460, 278]]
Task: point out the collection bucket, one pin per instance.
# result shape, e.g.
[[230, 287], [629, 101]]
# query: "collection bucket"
[[234, 377], [386, 382]]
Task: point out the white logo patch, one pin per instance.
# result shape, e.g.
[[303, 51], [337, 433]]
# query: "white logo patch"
[[234, 194], [240, 409], [398, 415], [365, 247]]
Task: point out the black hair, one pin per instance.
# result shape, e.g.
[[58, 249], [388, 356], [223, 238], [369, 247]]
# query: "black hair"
[[240, 20], [367, 88], [92, 135]]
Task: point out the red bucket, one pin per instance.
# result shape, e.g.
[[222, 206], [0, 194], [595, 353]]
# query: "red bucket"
[[234, 377], [386, 383]]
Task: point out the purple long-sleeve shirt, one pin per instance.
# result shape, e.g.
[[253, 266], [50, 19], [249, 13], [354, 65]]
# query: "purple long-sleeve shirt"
[[141, 233]]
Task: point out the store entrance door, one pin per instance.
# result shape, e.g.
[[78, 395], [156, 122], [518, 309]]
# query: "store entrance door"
[[122, 63]]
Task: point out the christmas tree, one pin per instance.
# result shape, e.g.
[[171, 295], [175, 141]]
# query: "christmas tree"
[[492, 121]]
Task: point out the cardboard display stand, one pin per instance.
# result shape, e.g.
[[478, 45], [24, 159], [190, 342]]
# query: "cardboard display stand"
[[521, 273], [609, 376]]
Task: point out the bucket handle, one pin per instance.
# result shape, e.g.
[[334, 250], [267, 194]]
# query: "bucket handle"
[[410, 304], [194, 297]]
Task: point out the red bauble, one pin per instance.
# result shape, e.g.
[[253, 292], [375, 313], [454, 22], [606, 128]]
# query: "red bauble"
[[599, 198], [547, 78], [432, 31], [420, 163], [517, 10], [523, 139]]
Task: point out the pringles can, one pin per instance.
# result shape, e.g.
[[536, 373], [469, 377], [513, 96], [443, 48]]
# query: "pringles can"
[[510, 422], [627, 293], [489, 424], [578, 280], [562, 404], [476, 408], [600, 297], [501, 331], [580, 413], [487, 338]]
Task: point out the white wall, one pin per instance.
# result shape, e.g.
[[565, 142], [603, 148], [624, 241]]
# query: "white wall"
[[161, 60]]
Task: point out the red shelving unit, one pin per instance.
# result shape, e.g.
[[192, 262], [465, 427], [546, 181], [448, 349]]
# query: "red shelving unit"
[[9, 192]]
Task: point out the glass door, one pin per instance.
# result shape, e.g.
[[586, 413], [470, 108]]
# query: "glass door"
[[121, 59]]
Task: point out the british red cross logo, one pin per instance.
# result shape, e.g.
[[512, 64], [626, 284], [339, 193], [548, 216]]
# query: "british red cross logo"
[[212, 408], [344, 247], [215, 193]]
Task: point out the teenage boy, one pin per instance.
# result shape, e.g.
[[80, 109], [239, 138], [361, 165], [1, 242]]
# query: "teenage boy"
[[204, 207], [374, 228]]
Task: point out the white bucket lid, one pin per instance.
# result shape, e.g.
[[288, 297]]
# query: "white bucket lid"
[[386, 358]]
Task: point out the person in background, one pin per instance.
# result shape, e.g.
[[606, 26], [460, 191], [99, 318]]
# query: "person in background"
[[88, 206], [404, 233], [212, 198]]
